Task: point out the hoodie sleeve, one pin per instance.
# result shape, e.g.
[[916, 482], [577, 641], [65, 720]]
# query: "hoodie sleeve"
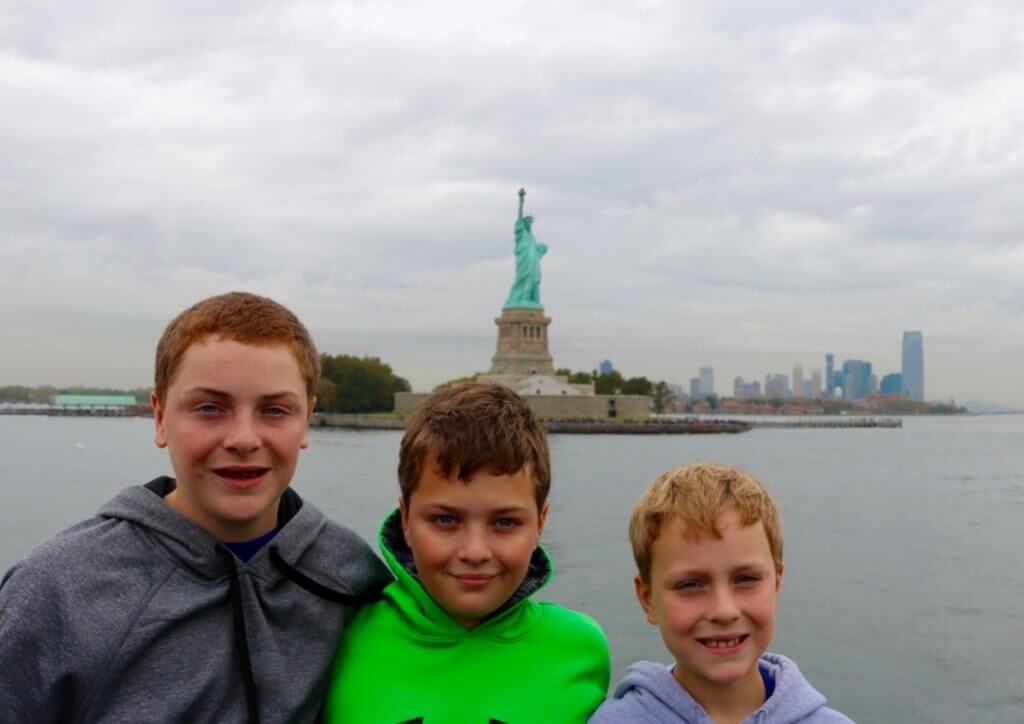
[[619, 711], [36, 685]]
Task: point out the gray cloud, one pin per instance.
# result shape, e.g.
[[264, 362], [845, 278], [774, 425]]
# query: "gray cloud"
[[747, 185]]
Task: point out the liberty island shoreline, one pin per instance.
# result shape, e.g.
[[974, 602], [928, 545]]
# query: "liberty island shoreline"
[[654, 425]]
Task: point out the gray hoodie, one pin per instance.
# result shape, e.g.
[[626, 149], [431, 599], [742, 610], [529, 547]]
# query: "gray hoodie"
[[139, 615], [650, 694]]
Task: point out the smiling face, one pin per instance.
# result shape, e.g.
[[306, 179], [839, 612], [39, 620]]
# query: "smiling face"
[[233, 419], [714, 601], [472, 540]]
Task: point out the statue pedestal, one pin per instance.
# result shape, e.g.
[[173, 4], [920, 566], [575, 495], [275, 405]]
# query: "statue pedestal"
[[522, 344]]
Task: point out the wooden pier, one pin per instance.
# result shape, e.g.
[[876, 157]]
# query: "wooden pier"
[[839, 422], [650, 426]]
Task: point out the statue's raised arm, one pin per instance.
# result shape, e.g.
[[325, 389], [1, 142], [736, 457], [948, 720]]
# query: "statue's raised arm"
[[525, 290]]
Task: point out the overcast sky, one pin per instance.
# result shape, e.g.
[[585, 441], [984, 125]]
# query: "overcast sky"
[[746, 185]]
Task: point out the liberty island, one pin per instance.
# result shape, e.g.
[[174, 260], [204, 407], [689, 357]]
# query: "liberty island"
[[522, 360]]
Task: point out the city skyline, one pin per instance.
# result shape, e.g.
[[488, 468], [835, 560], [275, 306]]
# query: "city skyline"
[[742, 185], [855, 378]]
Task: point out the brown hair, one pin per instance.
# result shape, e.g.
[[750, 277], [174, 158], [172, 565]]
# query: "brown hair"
[[241, 317], [472, 426], [698, 494]]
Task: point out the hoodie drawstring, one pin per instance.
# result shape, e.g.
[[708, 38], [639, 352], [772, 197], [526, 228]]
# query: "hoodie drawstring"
[[303, 581], [241, 642], [238, 615]]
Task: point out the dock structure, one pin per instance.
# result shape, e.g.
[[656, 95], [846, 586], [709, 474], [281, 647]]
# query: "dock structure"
[[80, 406], [73, 410], [840, 422], [574, 426]]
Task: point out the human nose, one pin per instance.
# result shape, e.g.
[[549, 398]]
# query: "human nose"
[[242, 436], [722, 606], [474, 547]]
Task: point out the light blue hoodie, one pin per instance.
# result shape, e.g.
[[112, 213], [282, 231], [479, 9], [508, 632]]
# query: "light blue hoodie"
[[649, 694]]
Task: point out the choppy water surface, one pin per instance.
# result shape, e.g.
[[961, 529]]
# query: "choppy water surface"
[[903, 598]]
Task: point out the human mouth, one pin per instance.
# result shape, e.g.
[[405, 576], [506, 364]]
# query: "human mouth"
[[474, 580], [241, 477], [724, 644]]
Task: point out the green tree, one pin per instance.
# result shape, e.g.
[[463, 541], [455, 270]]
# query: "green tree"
[[637, 386], [576, 378], [326, 394], [608, 384], [663, 397], [361, 384], [42, 394]]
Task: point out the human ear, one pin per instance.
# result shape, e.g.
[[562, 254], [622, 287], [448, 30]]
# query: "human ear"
[[542, 517], [160, 435], [304, 443], [403, 511], [643, 595]]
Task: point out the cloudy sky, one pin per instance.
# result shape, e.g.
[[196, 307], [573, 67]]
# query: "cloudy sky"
[[746, 184]]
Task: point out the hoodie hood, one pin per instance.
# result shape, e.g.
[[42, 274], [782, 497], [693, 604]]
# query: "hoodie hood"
[[428, 621], [306, 541], [649, 692], [112, 609]]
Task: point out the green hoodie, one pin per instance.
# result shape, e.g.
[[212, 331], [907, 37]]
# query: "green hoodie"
[[404, 659]]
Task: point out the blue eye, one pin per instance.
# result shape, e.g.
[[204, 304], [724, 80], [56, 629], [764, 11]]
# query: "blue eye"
[[690, 585], [443, 520], [208, 408], [506, 523], [748, 579], [276, 411]]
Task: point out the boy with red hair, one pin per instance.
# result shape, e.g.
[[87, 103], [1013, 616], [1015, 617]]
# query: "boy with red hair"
[[216, 595]]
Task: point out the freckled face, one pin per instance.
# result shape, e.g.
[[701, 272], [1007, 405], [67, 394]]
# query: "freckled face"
[[472, 542], [234, 419], [714, 601]]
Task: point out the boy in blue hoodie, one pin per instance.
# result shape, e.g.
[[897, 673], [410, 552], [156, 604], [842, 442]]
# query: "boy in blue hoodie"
[[708, 545]]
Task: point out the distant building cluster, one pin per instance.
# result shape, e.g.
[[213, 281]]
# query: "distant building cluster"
[[852, 379], [703, 385]]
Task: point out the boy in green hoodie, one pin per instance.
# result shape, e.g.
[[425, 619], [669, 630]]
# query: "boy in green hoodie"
[[457, 638]]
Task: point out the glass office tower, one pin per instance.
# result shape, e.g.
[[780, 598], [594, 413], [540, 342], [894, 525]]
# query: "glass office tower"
[[913, 365]]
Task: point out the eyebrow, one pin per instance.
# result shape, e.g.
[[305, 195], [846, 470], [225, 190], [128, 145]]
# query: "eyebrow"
[[205, 391], [500, 511], [742, 566], [214, 392]]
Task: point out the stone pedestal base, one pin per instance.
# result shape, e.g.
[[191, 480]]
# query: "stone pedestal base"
[[522, 344]]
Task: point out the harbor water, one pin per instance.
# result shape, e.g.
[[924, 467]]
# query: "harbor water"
[[902, 596]]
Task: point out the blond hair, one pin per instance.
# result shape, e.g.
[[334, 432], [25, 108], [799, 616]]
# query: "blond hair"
[[697, 495]]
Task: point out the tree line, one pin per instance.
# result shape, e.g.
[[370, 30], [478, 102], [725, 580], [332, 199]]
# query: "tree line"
[[347, 384], [350, 384], [613, 383]]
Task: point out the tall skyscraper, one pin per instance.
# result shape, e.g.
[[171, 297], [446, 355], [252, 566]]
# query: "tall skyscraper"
[[856, 379], [707, 381], [816, 383], [798, 381], [913, 365], [776, 386], [830, 380]]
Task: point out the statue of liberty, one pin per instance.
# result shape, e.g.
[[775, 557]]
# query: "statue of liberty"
[[525, 290]]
